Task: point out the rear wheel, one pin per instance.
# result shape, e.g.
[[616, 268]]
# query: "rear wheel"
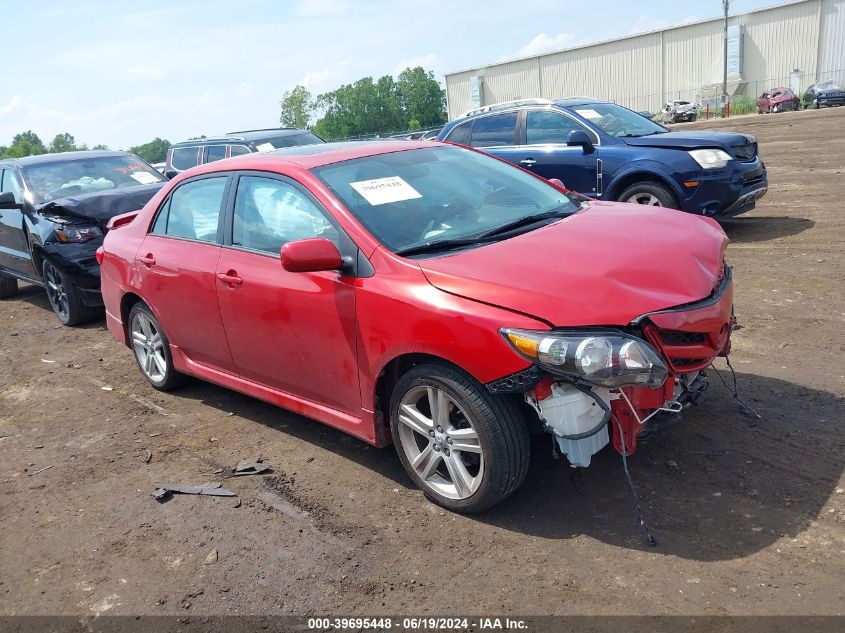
[[649, 193], [66, 298], [152, 349], [8, 286], [465, 448]]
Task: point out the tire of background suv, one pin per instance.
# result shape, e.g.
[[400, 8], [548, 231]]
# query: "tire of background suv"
[[65, 298], [651, 193], [141, 320], [8, 286], [498, 454]]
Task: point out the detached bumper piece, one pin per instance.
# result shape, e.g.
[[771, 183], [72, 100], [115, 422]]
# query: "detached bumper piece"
[[78, 262]]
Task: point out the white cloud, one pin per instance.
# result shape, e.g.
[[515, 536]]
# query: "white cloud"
[[322, 8], [326, 79], [429, 62], [545, 43], [144, 73]]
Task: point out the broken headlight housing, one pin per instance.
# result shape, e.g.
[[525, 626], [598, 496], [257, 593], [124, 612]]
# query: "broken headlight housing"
[[70, 233], [607, 359]]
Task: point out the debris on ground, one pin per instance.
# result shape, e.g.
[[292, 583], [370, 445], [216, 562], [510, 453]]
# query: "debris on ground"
[[252, 466], [40, 470], [163, 491], [210, 558], [148, 456]]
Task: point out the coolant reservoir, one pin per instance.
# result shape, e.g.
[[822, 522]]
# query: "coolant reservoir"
[[569, 411]]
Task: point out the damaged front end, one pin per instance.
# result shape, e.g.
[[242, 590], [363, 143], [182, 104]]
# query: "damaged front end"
[[79, 226], [635, 380]]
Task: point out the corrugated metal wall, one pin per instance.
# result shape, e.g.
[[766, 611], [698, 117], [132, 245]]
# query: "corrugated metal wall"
[[832, 42], [684, 62]]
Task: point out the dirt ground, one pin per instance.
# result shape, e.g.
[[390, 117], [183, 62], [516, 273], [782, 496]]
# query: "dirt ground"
[[749, 514]]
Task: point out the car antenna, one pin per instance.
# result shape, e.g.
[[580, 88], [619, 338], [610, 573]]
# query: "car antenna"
[[744, 407], [651, 540]]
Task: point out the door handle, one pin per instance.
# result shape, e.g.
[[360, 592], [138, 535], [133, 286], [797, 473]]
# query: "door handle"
[[527, 162], [230, 279], [147, 260]]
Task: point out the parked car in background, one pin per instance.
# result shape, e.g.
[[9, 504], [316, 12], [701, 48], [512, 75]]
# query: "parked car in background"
[[159, 167], [187, 154], [823, 95], [679, 112], [605, 151], [778, 100], [423, 294], [54, 209]]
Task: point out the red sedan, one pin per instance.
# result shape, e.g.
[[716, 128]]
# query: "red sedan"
[[422, 294]]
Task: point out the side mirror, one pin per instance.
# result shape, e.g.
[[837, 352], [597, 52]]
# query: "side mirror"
[[7, 201], [311, 255], [170, 173], [557, 182], [580, 137]]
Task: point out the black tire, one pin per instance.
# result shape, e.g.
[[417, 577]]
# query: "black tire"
[[171, 379], [8, 286], [649, 191], [66, 298], [501, 430]]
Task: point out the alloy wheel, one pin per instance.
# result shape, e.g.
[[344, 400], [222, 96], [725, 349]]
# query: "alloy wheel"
[[56, 292], [644, 198], [440, 442], [148, 344]]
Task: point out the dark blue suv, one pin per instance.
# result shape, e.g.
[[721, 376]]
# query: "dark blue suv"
[[606, 151]]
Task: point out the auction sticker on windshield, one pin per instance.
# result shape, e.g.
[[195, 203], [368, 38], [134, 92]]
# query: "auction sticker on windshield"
[[588, 113], [143, 178], [384, 190]]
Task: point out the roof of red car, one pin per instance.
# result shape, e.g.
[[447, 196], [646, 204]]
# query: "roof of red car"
[[310, 156]]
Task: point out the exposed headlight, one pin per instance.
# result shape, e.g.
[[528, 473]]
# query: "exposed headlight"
[[78, 233], [608, 359], [710, 158]]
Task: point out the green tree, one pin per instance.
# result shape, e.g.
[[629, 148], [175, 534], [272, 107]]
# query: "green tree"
[[63, 143], [25, 144], [100, 146], [297, 107], [377, 107], [153, 152], [423, 99]]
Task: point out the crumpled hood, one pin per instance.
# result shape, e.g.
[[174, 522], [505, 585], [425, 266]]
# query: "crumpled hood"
[[690, 140], [101, 206], [605, 265]]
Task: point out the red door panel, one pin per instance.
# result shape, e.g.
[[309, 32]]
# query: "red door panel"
[[181, 275], [290, 331]]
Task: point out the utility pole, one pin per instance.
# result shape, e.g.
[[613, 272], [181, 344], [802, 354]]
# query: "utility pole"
[[726, 4]]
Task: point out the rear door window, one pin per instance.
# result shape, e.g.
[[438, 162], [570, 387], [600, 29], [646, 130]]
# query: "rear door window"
[[184, 158], [238, 150], [192, 211], [494, 130], [215, 152]]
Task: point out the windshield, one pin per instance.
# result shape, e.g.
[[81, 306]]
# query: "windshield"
[[618, 121], [76, 176], [827, 85], [429, 195]]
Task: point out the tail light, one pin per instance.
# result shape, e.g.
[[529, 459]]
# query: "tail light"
[[99, 255]]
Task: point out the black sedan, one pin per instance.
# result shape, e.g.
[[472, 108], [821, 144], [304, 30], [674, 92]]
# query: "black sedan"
[[53, 214], [824, 94]]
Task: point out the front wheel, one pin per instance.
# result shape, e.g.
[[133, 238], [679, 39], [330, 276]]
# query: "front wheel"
[[8, 286], [465, 448], [649, 193], [66, 298]]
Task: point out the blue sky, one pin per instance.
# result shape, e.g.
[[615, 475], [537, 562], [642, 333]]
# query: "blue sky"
[[124, 73]]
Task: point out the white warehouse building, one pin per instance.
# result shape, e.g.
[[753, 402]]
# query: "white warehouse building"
[[794, 44]]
